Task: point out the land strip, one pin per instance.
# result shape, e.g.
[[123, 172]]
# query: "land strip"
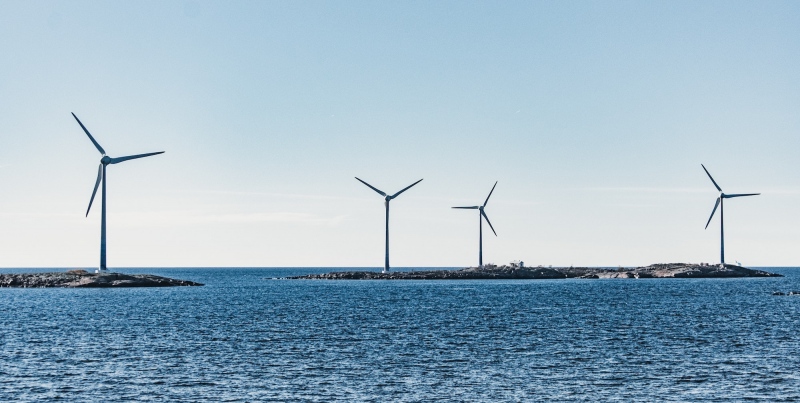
[[512, 272], [84, 279]]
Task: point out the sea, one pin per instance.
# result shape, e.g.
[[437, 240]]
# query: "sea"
[[250, 336]]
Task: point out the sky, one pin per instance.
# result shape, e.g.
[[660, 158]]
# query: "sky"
[[593, 117]]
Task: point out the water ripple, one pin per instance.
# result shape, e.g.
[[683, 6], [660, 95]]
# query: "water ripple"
[[243, 338]]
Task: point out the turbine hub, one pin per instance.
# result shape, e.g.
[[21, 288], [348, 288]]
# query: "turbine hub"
[[105, 160]]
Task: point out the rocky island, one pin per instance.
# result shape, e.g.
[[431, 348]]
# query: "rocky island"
[[517, 272], [84, 279]]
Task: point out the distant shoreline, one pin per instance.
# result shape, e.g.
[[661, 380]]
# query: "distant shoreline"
[[513, 272], [84, 279]]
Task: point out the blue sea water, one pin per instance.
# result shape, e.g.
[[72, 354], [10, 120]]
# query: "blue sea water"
[[247, 337]]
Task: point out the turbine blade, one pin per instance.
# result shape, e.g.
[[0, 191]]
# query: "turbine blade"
[[469, 207], [490, 195], [709, 177], [372, 187], [406, 188], [740, 195], [90, 136], [132, 157], [96, 185], [713, 211], [488, 222]]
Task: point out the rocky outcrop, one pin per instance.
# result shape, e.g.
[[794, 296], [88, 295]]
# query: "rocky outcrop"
[[492, 272], [686, 270], [779, 293], [84, 279]]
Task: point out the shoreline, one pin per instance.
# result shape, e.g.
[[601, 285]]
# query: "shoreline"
[[84, 279], [514, 272]]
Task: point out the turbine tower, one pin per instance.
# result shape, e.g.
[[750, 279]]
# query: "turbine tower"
[[481, 216], [387, 199], [720, 204], [101, 174]]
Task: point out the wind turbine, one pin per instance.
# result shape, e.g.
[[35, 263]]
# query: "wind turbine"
[[101, 174], [387, 199], [481, 214], [720, 204]]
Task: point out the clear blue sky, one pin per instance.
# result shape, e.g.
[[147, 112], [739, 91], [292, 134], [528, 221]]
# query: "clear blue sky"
[[593, 116]]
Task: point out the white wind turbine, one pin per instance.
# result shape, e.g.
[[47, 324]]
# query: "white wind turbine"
[[720, 203], [481, 216], [101, 175], [387, 199]]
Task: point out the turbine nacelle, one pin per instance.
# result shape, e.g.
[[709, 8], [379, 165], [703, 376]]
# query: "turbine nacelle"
[[387, 197]]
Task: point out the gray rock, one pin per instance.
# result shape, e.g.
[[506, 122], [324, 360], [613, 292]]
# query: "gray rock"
[[488, 272], [84, 279]]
